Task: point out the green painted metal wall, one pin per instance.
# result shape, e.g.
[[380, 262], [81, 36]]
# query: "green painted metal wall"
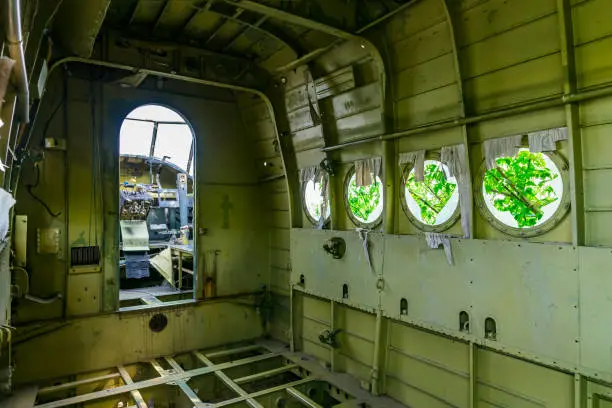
[[446, 61], [225, 168]]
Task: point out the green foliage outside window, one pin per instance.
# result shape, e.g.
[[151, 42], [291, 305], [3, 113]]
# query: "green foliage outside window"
[[433, 193], [521, 186], [363, 200]]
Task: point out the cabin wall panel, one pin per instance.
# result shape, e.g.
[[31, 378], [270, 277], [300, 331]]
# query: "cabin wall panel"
[[591, 20], [414, 20], [124, 338], [540, 275], [508, 48], [531, 80], [273, 195], [595, 322], [506, 381], [594, 63], [318, 267], [486, 19]]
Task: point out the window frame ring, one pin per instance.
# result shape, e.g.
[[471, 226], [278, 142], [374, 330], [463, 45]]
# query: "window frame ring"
[[546, 226], [357, 222], [420, 225], [312, 220]]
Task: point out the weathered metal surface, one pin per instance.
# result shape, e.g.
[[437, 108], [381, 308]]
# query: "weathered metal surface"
[[124, 338], [79, 34]]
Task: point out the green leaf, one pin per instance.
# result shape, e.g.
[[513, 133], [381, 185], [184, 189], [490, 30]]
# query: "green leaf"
[[521, 186], [433, 193]]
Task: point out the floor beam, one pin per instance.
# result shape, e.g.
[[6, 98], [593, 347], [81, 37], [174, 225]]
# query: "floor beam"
[[153, 382], [140, 402], [74, 384], [228, 381]]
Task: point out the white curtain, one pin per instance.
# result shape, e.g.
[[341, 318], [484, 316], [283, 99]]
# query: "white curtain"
[[6, 67], [435, 240], [307, 174], [417, 160], [455, 158], [501, 147], [367, 170], [546, 140]]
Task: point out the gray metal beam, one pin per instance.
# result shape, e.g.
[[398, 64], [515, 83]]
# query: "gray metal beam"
[[302, 398], [464, 133], [153, 382], [229, 352], [265, 392], [386, 16], [244, 31], [140, 402], [290, 18], [228, 381], [265, 374], [135, 12], [274, 34], [572, 113], [187, 390], [221, 24], [74, 384], [161, 15]]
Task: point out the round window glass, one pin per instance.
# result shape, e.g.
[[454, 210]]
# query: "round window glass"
[[526, 193], [314, 198], [432, 204], [365, 203]]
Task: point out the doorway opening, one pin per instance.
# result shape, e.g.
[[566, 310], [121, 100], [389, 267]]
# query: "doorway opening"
[[156, 207]]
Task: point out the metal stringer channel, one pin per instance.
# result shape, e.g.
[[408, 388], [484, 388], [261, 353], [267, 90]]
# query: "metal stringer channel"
[[171, 373]]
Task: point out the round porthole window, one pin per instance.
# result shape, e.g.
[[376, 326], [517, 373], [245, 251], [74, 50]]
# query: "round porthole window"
[[315, 197], [432, 204], [524, 195], [364, 204]]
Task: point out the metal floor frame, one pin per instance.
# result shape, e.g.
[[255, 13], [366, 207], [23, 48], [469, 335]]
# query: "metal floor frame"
[[306, 367]]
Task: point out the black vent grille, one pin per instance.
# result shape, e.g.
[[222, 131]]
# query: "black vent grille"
[[86, 255]]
